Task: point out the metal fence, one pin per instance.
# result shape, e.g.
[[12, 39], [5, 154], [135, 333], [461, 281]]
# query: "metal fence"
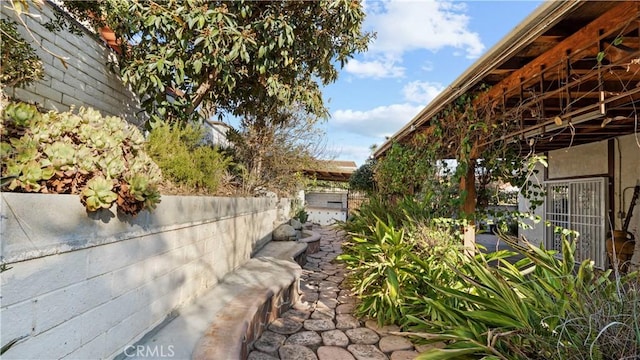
[[578, 205], [354, 200]]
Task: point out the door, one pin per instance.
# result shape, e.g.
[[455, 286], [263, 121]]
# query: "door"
[[578, 205]]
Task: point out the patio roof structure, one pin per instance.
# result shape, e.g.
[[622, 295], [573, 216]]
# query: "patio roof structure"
[[333, 170], [569, 74]]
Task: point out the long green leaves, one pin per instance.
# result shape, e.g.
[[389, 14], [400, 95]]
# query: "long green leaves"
[[543, 306]]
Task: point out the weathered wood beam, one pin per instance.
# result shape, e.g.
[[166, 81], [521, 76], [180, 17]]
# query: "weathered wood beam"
[[581, 82], [610, 22]]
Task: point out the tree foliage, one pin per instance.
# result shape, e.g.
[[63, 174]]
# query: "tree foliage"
[[362, 179], [246, 58], [460, 132], [19, 64]]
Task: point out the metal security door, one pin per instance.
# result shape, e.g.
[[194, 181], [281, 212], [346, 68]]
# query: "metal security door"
[[578, 205]]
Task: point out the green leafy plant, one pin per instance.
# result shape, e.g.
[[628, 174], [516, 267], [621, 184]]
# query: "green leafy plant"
[[20, 65], [541, 307], [302, 215], [100, 158], [98, 194], [390, 267], [363, 178], [489, 306], [243, 57], [186, 160]]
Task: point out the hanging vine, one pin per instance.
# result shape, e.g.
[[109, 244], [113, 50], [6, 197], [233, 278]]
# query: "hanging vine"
[[435, 161]]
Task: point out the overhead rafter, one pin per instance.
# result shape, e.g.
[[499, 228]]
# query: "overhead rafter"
[[580, 70], [584, 40]]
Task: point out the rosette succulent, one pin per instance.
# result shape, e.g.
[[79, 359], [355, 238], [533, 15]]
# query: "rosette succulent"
[[100, 158]]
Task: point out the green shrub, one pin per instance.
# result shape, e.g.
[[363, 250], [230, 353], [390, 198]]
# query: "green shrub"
[[405, 210], [302, 215], [415, 274], [541, 307], [100, 158], [184, 159], [20, 65], [390, 268]]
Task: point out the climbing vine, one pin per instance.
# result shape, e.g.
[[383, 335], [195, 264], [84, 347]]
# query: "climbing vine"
[[435, 161]]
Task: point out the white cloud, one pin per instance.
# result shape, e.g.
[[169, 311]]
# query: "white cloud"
[[421, 92], [428, 66], [374, 69], [403, 26], [378, 122]]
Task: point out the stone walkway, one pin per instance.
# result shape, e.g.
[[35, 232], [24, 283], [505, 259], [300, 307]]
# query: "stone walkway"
[[321, 325]]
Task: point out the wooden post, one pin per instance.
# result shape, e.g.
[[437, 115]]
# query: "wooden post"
[[468, 185]]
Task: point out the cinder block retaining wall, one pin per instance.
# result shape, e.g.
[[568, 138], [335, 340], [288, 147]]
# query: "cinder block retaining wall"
[[87, 286], [86, 81]]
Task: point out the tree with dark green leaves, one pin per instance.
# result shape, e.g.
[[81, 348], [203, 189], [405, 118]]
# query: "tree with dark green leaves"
[[19, 64], [245, 58], [254, 60], [363, 178]]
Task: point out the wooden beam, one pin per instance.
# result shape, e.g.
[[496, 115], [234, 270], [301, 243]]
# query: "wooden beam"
[[611, 22]]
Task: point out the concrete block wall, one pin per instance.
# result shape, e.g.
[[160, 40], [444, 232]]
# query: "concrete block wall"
[[83, 287], [86, 81], [323, 199]]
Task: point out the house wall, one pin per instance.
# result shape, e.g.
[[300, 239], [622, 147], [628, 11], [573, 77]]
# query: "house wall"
[[326, 216], [582, 160], [86, 81], [86, 286], [629, 175], [592, 160]]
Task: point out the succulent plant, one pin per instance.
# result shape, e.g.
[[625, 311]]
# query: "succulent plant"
[[98, 194], [31, 174], [85, 160], [21, 114], [142, 189], [62, 155], [25, 149], [100, 158]]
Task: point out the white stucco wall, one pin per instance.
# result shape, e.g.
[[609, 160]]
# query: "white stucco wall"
[[84, 287], [582, 160], [325, 208], [326, 199], [86, 81]]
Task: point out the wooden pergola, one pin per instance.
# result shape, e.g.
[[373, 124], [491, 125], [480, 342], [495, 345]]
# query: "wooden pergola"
[[569, 74], [334, 170]]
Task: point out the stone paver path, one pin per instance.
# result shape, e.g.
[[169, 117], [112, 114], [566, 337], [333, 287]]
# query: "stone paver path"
[[321, 325]]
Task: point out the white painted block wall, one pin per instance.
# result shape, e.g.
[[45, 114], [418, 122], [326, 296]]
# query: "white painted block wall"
[[89, 300], [326, 216], [86, 81]]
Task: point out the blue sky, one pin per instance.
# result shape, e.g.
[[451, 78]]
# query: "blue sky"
[[421, 47]]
